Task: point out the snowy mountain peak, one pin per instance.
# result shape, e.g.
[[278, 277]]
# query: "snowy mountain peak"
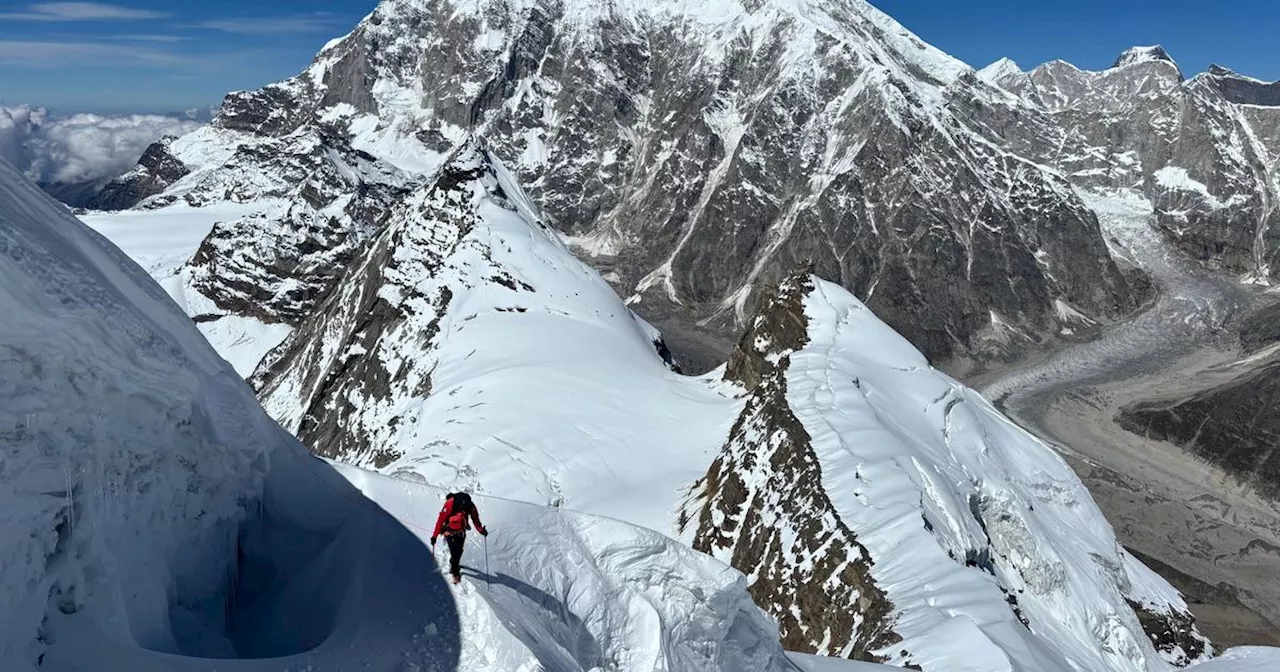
[[1136, 55], [582, 99], [999, 70]]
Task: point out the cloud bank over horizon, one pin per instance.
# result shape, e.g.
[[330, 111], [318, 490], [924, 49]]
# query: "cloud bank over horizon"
[[81, 148]]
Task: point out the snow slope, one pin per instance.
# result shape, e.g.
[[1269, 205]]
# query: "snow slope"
[[914, 460], [127, 444], [470, 348]]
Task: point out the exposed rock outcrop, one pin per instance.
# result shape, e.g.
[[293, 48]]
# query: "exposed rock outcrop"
[[156, 171], [762, 507]]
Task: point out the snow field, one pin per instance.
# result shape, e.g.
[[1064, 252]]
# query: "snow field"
[[162, 240]]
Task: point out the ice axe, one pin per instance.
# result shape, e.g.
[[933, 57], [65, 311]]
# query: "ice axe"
[[486, 562]]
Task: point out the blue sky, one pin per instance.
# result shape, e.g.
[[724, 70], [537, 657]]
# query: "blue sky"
[[161, 55], [158, 55], [1240, 34]]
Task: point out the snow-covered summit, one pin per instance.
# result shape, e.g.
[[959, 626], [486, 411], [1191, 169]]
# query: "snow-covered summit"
[[693, 197], [1136, 55], [1000, 69]]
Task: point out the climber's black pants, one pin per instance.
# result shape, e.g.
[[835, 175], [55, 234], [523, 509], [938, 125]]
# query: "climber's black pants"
[[455, 542]]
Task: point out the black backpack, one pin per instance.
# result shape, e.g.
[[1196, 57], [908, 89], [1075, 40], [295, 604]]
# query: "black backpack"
[[458, 513], [461, 501]]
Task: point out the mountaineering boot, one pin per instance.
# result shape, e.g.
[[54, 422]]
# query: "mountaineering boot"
[[456, 579]]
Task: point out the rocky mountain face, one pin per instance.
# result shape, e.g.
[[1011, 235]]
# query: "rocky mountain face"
[[316, 201], [277, 265], [156, 171], [1243, 90], [696, 154], [761, 505], [338, 366], [1203, 151]]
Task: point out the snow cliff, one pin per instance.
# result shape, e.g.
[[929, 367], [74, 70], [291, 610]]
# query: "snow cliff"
[[128, 448]]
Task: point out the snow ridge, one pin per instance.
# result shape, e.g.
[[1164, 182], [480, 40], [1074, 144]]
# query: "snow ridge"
[[434, 358], [157, 520], [913, 460], [1135, 55], [583, 592]]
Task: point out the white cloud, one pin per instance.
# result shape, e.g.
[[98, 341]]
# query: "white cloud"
[[149, 38], [80, 148], [35, 53], [80, 11], [312, 23]]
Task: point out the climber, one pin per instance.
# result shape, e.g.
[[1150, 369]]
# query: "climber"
[[453, 523]]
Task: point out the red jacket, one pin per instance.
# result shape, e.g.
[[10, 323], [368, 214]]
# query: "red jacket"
[[453, 522]]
